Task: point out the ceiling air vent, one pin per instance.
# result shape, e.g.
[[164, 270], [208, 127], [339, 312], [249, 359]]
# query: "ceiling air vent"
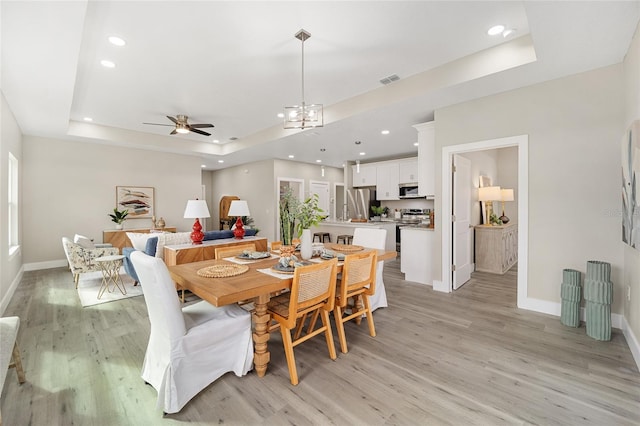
[[390, 79]]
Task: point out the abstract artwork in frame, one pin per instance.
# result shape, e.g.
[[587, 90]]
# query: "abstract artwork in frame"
[[137, 199], [630, 194], [484, 182]]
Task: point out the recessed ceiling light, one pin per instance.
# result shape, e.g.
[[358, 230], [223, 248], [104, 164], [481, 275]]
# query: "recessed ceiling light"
[[203, 166], [216, 141], [107, 64], [506, 33], [385, 132], [88, 119], [220, 161], [362, 153], [318, 161], [358, 142], [416, 144], [291, 156], [280, 115], [495, 30], [116, 41]]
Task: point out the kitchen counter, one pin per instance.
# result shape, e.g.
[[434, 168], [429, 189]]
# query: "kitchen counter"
[[335, 228]]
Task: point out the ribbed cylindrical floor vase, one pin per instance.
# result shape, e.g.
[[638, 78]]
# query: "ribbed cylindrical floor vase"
[[571, 295], [598, 292]]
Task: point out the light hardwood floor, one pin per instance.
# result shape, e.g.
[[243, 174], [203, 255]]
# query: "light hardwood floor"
[[462, 359]]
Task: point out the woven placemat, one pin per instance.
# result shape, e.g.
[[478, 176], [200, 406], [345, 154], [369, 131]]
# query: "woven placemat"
[[221, 271], [346, 248]]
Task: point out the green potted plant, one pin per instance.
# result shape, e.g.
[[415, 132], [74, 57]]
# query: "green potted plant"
[[308, 214], [288, 207], [377, 211], [118, 217]]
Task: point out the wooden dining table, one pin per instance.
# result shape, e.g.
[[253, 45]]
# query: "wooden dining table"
[[252, 284]]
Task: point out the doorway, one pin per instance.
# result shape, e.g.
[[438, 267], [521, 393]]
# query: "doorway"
[[521, 142]]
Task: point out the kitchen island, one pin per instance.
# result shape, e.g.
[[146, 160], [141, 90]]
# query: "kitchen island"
[[335, 228], [417, 252]]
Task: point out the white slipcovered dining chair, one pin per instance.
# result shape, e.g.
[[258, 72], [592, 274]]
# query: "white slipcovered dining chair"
[[190, 347], [374, 238]]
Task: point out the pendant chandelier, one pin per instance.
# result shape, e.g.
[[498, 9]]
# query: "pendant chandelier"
[[303, 116]]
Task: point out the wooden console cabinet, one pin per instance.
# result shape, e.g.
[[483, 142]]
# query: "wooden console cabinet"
[[187, 253], [496, 247], [118, 237]]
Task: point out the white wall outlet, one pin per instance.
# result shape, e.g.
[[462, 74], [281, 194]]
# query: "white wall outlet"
[[628, 293]]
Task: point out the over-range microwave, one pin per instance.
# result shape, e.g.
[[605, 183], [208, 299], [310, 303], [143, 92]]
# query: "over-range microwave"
[[408, 190]]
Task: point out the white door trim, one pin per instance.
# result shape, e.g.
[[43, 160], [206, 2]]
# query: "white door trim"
[[522, 142]]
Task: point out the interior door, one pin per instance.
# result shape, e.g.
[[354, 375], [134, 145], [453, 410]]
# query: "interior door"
[[323, 191], [461, 220]]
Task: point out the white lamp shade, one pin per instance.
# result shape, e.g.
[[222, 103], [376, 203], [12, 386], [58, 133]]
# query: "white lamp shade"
[[489, 193], [196, 209], [239, 208], [506, 194]]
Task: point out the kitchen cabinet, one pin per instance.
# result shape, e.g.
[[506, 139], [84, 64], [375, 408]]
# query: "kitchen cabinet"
[[426, 158], [387, 178], [408, 170], [366, 177], [496, 247], [417, 251]]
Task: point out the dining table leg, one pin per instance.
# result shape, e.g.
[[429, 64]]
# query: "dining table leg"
[[261, 320]]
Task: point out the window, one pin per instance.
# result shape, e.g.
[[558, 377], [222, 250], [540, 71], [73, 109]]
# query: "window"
[[14, 243]]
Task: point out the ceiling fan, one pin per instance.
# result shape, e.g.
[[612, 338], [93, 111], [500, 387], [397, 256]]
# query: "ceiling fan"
[[182, 125]]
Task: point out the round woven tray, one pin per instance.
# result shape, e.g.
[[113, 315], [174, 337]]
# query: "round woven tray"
[[221, 271], [346, 248]]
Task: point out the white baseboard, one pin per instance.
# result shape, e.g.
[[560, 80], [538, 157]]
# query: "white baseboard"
[[439, 286], [45, 265], [12, 289], [632, 341]]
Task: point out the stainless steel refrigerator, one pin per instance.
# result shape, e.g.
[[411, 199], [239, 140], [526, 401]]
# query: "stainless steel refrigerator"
[[359, 202]]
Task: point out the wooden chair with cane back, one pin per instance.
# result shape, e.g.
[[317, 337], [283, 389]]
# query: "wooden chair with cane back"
[[313, 289], [222, 252]]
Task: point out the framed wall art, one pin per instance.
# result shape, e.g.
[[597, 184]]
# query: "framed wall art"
[[139, 200], [630, 186]]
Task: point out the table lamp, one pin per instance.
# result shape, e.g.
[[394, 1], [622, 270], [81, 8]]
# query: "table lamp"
[[488, 194], [195, 210], [505, 195], [239, 208]]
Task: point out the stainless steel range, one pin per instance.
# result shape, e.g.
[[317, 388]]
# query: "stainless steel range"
[[409, 217]]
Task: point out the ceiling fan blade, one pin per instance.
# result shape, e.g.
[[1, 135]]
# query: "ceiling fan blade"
[[174, 132], [172, 119], [200, 132], [199, 126], [158, 124]]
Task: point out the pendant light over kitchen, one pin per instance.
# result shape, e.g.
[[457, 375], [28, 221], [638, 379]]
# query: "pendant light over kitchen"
[[303, 116]]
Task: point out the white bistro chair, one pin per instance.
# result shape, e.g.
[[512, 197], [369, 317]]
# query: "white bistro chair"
[[189, 347], [374, 238]]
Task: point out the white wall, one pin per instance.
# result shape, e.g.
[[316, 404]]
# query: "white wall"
[[70, 187], [10, 142], [631, 79], [256, 183], [574, 126]]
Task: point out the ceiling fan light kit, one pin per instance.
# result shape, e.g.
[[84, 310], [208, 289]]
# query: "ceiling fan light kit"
[[182, 125], [303, 116]]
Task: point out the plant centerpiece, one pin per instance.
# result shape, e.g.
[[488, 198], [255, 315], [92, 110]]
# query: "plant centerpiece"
[[379, 211], [118, 217], [308, 215], [288, 209]]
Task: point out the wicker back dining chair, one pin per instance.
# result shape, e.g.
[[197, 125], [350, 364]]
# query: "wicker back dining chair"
[[313, 289], [358, 282], [222, 252]]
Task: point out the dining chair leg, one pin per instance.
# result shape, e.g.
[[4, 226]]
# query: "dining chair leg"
[[357, 306], [17, 363], [337, 314], [328, 334], [288, 351], [299, 327], [312, 323], [367, 305]]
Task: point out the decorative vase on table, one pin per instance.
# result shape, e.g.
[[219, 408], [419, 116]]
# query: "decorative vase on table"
[[118, 226], [306, 248]]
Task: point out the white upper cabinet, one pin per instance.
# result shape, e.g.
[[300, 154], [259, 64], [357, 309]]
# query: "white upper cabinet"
[[388, 176], [409, 170], [365, 177], [426, 158]]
